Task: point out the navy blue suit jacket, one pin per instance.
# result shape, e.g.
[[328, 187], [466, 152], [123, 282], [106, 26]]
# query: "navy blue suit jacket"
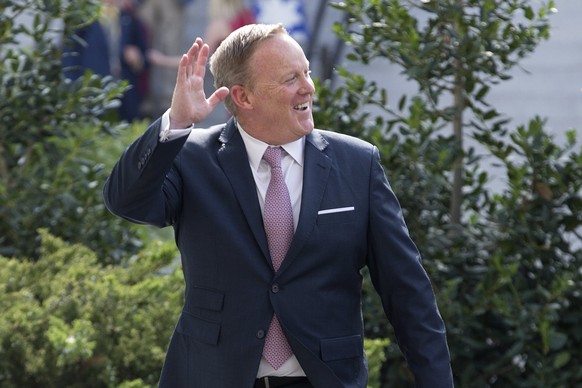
[[202, 185]]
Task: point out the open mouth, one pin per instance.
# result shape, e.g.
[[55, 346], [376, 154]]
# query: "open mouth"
[[302, 107]]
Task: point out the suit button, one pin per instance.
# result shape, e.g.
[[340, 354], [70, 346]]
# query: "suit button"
[[261, 334], [275, 288]]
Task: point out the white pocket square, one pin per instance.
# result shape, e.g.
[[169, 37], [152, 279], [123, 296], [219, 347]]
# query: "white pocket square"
[[336, 210]]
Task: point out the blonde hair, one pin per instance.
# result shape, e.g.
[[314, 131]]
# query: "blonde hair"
[[230, 62]]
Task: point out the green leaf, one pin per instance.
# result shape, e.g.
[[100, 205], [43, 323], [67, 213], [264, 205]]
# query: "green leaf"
[[562, 359]]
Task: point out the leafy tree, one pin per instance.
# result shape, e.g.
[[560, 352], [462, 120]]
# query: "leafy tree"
[[451, 49], [50, 128], [506, 273]]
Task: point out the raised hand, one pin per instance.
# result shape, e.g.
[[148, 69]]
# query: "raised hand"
[[189, 102]]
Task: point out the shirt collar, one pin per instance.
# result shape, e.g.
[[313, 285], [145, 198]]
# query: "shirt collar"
[[256, 148]]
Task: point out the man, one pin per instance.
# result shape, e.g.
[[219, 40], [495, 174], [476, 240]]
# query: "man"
[[252, 318]]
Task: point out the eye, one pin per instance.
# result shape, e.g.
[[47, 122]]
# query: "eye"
[[294, 77]]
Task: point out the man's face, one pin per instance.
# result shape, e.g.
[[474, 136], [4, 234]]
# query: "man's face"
[[281, 92]]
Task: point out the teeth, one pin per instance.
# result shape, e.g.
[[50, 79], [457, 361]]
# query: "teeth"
[[303, 106]]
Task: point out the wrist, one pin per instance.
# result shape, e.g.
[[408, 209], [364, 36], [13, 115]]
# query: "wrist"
[[179, 124]]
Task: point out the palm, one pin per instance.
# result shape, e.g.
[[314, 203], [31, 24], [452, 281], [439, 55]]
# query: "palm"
[[189, 102]]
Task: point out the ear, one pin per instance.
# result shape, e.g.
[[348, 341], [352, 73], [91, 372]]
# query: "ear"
[[240, 96]]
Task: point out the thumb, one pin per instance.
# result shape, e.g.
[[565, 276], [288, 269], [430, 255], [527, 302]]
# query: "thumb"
[[218, 96]]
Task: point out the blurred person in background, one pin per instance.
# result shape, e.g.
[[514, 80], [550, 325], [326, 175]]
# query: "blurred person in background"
[[117, 45], [128, 45], [165, 20], [225, 16], [89, 49]]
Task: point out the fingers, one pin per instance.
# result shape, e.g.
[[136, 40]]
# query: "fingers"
[[190, 56], [197, 57], [203, 55], [182, 65]]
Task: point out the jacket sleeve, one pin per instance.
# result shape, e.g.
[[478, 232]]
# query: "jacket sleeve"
[[404, 287], [145, 185]]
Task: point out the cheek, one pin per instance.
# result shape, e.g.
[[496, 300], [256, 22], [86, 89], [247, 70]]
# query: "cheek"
[[274, 98]]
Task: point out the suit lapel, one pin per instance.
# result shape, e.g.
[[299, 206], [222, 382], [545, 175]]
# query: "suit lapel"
[[317, 166], [232, 156]]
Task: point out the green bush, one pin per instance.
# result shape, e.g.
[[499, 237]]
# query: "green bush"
[[51, 132], [68, 321], [375, 352]]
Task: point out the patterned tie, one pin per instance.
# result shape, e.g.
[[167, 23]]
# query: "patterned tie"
[[278, 219]]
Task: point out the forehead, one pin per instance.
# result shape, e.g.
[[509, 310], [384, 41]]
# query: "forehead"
[[280, 54]]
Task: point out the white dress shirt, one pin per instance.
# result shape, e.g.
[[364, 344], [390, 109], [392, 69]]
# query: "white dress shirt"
[[292, 166]]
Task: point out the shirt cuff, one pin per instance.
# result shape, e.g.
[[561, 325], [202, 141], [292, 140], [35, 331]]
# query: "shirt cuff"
[[167, 133]]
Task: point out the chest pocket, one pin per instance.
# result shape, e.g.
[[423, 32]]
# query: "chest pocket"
[[339, 215]]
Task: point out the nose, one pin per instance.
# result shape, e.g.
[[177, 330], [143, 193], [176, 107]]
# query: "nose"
[[307, 85]]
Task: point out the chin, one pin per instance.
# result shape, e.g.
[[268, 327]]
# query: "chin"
[[307, 127]]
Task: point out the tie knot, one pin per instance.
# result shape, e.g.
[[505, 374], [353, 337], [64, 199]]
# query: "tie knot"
[[272, 156]]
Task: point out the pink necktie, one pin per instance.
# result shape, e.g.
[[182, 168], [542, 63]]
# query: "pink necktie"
[[278, 220]]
